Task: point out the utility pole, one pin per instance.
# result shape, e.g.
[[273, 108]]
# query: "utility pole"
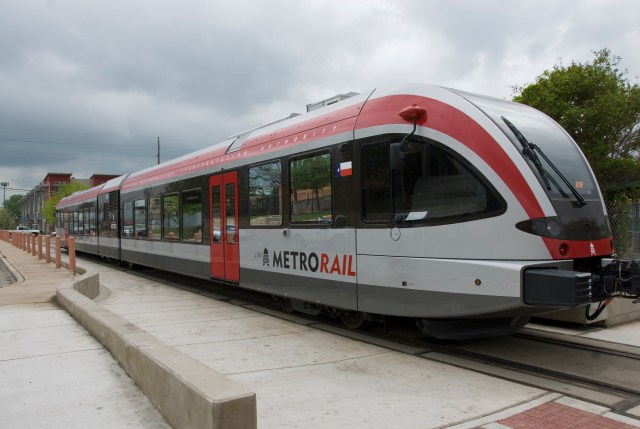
[[158, 150]]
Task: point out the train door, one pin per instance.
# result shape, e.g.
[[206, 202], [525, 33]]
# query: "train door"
[[225, 253]]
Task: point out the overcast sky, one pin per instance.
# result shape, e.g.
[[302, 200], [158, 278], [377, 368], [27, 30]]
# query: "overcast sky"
[[86, 87]]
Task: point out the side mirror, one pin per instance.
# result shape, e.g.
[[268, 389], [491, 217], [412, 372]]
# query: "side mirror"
[[396, 156]]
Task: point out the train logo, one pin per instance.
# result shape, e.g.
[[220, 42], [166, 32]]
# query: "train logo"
[[323, 263]]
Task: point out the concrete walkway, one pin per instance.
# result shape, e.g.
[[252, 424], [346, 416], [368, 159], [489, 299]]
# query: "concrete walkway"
[[53, 374], [304, 376]]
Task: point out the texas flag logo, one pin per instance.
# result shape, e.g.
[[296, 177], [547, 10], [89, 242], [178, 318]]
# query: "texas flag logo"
[[344, 169]]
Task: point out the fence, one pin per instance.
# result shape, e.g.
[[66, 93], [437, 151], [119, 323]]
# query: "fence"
[[624, 216], [34, 246]]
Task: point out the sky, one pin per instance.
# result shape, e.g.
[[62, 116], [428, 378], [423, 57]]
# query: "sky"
[[88, 86]]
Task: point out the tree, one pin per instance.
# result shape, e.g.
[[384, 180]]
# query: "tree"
[[12, 206], [6, 222], [65, 190], [599, 108]]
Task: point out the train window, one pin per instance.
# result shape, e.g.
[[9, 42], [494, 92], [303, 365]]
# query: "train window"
[[216, 215], [376, 183], [435, 184], [230, 193], [311, 191], [170, 219], [140, 219], [87, 222], [108, 209], [192, 216], [265, 195], [92, 220], [127, 219], [80, 223], [154, 225]]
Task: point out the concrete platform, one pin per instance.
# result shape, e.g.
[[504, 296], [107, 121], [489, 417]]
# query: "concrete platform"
[[302, 375], [53, 374]]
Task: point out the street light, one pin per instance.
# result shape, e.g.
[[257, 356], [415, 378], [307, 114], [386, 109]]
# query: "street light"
[[4, 191]]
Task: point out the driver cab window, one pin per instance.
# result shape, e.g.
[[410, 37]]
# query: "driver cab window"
[[430, 184]]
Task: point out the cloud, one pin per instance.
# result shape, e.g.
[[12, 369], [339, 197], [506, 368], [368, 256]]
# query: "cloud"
[[87, 87]]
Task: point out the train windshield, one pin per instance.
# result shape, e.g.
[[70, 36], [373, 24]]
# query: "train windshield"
[[553, 156]]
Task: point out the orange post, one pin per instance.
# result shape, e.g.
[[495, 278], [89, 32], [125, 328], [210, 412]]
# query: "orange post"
[[33, 245], [58, 253], [47, 249], [72, 255], [27, 243], [39, 246]]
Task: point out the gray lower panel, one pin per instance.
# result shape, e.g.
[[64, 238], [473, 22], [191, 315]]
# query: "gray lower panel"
[[87, 248], [325, 292], [110, 252], [182, 266], [427, 304]]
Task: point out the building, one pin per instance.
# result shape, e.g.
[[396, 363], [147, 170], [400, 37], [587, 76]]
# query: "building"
[[32, 204]]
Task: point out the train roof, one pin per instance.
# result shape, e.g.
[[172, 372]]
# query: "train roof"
[[337, 116], [80, 196], [291, 130]]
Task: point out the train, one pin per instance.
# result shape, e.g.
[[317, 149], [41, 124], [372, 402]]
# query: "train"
[[465, 212]]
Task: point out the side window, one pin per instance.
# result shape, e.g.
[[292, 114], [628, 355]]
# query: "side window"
[[154, 225], [87, 221], [230, 215], [170, 217], [127, 219], [140, 219], [265, 195], [92, 220], [216, 215], [311, 189], [75, 223], [376, 183], [80, 223], [435, 184], [192, 216]]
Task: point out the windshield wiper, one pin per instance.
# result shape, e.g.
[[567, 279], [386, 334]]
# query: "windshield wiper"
[[529, 150]]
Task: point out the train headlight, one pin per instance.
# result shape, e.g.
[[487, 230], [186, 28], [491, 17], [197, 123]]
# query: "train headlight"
[[554, 228], [544, 227]]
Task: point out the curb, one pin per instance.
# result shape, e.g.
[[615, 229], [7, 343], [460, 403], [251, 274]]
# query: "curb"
[[12, 270], [186, 392]]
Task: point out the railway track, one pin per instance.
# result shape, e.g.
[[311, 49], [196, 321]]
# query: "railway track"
[[592, 370]]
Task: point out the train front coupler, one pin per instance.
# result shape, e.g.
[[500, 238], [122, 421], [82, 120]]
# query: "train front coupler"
[[617, 278]]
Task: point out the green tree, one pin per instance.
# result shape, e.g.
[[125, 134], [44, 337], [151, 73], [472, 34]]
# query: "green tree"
[[599, 108], [6, 221], [12, 206], [65, 190]]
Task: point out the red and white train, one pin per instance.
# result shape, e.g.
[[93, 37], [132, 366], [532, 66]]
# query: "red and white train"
[[466, 212]]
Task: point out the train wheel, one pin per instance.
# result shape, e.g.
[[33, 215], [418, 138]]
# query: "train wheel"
[[353, 319]]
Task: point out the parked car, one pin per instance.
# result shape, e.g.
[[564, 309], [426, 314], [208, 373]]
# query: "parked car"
[[23, 228]]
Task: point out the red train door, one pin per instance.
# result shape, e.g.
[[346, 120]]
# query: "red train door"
[[225, 253]]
